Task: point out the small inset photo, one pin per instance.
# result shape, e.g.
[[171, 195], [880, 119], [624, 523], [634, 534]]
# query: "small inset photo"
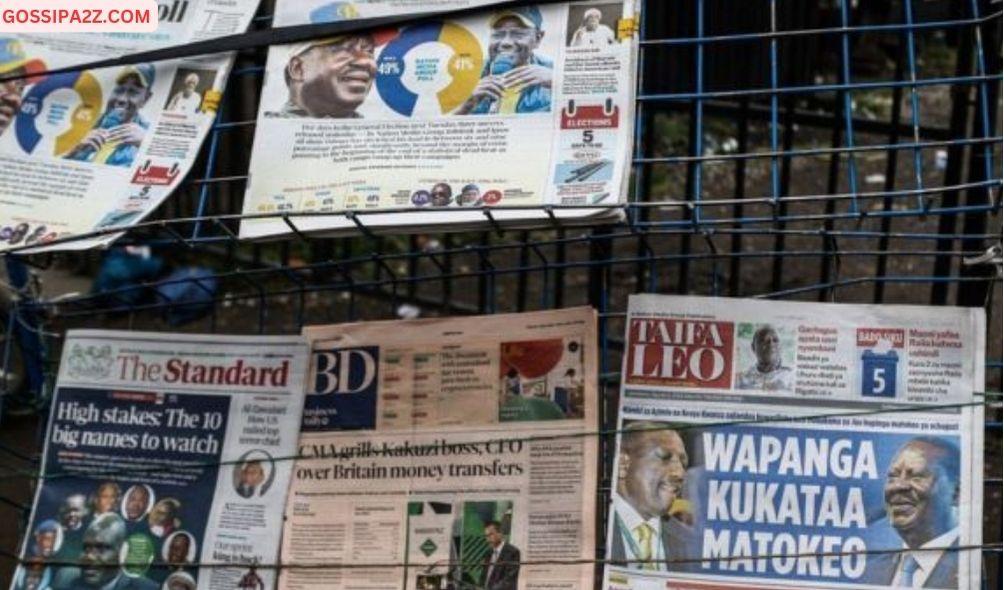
[[164, 517], [187, 89], [542, 380], [179, 548], [578, 172], [593, 25], [179, 581], [462, 544], [137, 502], [48, 539], [766, 357], [253, 474]]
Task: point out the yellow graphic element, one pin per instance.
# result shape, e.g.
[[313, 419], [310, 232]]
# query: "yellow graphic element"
[[626, 28], [107, 149], [509, 101], [681, 508], [464, 67], [643, 534], [348, 11], [211, 100], [84, 116]]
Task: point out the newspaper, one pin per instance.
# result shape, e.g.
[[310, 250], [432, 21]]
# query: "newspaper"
[[165, 452], [100, 149], [300, 12], [447, 454], [761, 446], [178, 22], [435, 124]]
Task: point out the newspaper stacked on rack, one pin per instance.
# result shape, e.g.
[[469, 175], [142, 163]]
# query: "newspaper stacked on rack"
[[163, 453], [768, 444], [93, 150], [512, 116], [301, 12], [444, 452]]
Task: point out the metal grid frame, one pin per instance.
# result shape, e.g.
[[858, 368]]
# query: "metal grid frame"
[[790, 210]]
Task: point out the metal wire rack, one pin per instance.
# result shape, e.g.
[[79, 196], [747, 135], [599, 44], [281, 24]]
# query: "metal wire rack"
[[831, 150]]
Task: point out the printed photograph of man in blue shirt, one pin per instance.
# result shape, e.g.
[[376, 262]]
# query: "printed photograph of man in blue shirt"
[[116, 138], [516, 79]]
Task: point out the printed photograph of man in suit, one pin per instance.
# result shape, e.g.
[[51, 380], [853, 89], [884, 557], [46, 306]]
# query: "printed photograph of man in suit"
[[252, 475], [651, 473], [501, 571], [137, 503], [103, 543], [921, 498]]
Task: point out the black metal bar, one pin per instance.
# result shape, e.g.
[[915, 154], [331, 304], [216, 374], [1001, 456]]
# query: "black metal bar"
[[777, 269], [446, 285], [683, 278], [988, 48], [600, 251], [890, 170], [560, 257], [739, 192], [523, 276], [484, 284], [960, 97]]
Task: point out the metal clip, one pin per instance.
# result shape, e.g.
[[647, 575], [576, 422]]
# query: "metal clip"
[[354, 218], [627, 27], [211, 100], [494, 222], [991, 256]]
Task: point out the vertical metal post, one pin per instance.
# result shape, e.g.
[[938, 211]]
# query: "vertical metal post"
[[979, 198], [845, 50]]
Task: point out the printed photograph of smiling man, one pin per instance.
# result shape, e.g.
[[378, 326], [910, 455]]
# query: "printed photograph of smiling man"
[[921, 492], [329, 78], [517, 76], [652, 526]]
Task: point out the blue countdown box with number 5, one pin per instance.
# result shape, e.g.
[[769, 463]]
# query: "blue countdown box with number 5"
[[878, 373]]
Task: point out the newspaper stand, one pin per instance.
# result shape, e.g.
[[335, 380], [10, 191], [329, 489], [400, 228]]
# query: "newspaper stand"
[[831, 151]]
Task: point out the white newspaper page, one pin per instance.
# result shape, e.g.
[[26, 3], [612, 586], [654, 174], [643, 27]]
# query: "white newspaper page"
[[164, 452], [510, 109], [775, 444], [100, 149], [178, 22], [449, 453], [186, 21], [421, 510], [300, 12]]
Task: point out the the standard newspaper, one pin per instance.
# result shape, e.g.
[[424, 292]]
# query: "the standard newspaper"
[[525, 113], [95, 150], [165, 453], [769, 444], [452, 453]]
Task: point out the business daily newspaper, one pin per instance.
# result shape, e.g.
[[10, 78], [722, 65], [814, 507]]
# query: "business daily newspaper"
[[100, 149], [510, 109], [165, 452], [443, 453], [727, 476]]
